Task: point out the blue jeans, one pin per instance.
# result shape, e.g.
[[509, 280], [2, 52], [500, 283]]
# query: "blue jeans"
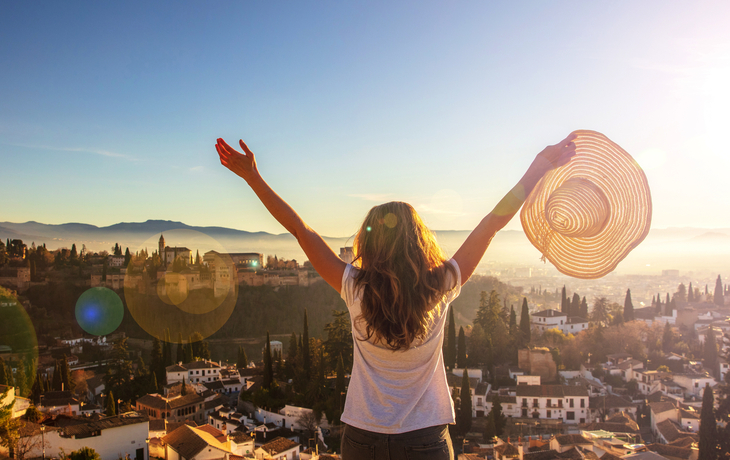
[[432, 443]]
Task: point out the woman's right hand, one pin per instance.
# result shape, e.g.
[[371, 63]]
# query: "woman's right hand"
[[242, 164]]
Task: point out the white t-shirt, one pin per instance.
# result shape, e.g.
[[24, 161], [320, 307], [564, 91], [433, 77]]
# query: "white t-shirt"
[[397, 391]]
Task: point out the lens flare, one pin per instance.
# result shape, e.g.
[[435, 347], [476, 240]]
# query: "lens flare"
[[99, 311], [17, 334], [178, 296]]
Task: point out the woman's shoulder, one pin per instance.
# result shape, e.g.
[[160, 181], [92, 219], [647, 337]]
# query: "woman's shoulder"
[[349, 276]]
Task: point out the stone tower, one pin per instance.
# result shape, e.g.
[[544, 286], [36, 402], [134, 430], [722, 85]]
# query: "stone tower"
[[161, 245]]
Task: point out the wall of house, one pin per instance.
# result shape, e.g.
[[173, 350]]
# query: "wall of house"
[[113, 443]]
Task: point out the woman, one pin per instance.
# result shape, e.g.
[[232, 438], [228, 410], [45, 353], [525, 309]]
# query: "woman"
[[398, 403]]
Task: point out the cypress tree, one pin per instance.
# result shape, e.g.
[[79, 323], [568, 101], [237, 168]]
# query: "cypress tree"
[[489, 430], [500, 421], [690, 294], [564, 305], [667, 338], [165, 352], [21, 381], [68, 383], [268, 365], [293, 348], [242, 362], [575, 305], [183, 388], [156, 365], [584, 308], [461, 353], [710, 354], [525, 321], [110, 407], [628, 307], [4, 373], [719, 299], [167, 349], [450, 357], [154, 387], [512, 322], [57, 376], [463, 420], [708, 427], [36, 390], [180, 354], [306, 358], [188, 352]]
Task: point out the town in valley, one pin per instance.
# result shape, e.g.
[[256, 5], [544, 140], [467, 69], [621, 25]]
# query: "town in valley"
[[182, 354]]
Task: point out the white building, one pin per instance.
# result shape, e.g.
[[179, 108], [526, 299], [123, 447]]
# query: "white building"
[[477, 388], [568, 403], [115, 437], [554, 319], [694, 384], [195, 372]]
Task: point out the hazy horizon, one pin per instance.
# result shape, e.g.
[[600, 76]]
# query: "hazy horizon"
[[688, 249]]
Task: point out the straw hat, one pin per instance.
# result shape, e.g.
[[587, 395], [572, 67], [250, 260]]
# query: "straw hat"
[[586, 216]]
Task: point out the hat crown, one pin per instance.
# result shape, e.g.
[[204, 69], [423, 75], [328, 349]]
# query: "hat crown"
[[578, 208]]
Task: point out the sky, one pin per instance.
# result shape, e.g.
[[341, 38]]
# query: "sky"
[[109, 111]]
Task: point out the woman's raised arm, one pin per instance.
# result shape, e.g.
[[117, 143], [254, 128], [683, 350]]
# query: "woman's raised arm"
[[472, 250], [320, 255]]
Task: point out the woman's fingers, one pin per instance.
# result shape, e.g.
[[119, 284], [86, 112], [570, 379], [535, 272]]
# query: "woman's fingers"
[[227, 148], [244, 147], [571, 137]]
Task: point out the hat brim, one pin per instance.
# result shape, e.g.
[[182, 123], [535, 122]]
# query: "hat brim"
[[626, 188]]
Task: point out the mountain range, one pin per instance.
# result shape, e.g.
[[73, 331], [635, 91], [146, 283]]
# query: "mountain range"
[[682, 248]]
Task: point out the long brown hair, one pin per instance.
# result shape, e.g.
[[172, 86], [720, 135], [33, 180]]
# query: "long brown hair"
[[402, 273]]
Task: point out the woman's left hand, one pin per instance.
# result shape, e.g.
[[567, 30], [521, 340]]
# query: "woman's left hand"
[[242, 164], [554, 156]]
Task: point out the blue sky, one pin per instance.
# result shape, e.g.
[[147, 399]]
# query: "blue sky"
[[109, 110]]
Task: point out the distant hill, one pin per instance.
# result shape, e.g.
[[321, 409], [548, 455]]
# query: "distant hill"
[[685, 249]]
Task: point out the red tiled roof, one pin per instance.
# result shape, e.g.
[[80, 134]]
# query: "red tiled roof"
[[279, 445]]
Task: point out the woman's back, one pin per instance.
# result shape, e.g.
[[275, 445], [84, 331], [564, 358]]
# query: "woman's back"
[[396, 391]]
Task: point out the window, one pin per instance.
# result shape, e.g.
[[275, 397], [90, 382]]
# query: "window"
[[549, 413], [571, 402], [549, 403], [535, 403], [570, 415], [582, 403]]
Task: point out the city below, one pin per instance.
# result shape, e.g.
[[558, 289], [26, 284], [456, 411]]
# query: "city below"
[[180, 349]]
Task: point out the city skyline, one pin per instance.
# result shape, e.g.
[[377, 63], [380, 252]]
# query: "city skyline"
[[110, 112]]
